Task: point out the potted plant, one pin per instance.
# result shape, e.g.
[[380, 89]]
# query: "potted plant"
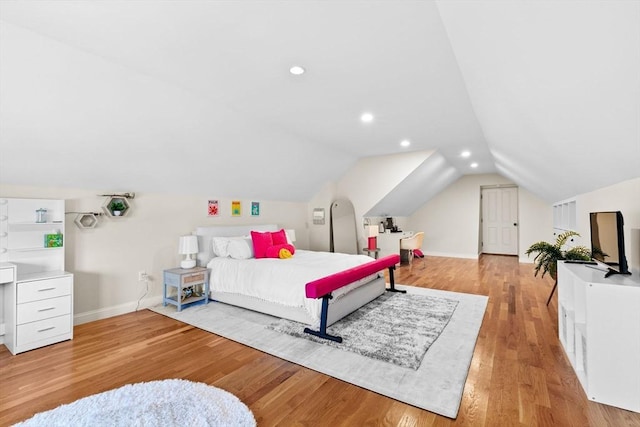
[[549, 254], [117, 207]]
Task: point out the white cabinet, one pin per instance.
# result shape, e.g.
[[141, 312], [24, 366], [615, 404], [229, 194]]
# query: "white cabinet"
[[38, 302], [599, 328], [38, 311], [389, 243]]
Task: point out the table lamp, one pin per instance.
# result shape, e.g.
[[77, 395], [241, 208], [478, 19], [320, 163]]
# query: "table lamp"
[[291, 234], [372, 231], [188, 246]]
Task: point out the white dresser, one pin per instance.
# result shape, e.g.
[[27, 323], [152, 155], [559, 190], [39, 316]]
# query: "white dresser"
[[38, 311], [37, 294]]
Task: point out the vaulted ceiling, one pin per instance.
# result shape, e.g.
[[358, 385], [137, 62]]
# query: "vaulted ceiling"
[[196, 96]]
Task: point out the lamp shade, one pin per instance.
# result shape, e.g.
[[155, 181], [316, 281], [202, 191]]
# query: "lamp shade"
[[372, 231], [188, 245], [291, 233]]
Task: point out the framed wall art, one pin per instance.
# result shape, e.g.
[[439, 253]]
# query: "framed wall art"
[[236, 208], [255, 208], [213, 208]]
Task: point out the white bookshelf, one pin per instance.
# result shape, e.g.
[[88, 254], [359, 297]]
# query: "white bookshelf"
[[37, 303], [599, 329]]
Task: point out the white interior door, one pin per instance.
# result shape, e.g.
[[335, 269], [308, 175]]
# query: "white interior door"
[[500, 220]]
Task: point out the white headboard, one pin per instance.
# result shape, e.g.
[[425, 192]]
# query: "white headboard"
[[207, 232]]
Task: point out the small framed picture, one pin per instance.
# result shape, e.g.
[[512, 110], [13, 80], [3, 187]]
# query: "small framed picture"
[[236, 208], [318, 216], [255, 208], [213, 208]]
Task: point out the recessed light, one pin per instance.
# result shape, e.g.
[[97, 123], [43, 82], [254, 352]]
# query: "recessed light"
[[296, 70], [465, 154], [405, 143], [474, 165], [366, 117]]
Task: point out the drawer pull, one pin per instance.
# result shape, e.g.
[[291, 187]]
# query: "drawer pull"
[[46, 329], [46, 289], [47, 309]]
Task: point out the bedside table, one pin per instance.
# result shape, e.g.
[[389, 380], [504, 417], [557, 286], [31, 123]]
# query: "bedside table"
[[191, 286]]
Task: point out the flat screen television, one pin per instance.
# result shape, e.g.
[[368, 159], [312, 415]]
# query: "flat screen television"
[[607, 241]]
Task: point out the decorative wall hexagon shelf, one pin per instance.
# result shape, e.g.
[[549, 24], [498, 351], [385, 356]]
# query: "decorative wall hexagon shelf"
[[116, 206], [86, 220]]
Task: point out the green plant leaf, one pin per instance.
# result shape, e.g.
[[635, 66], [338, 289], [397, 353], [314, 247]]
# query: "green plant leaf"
[[548, 255]]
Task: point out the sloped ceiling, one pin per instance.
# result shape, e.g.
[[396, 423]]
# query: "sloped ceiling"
[[433, 175], [196, 97], [555, 86]]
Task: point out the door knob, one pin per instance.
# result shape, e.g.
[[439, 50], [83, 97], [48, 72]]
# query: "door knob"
[[515, 224]]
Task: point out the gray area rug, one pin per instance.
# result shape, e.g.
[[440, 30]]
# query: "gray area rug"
[[155, 403], [395, 328], [436, 386]]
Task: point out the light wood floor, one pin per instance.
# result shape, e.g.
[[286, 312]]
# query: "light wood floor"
[[519, 374]]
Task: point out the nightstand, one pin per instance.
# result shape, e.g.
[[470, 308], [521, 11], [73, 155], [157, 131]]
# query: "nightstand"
[[191, 286]]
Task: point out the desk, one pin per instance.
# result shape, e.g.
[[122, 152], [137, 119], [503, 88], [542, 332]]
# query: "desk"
[[389, 243]]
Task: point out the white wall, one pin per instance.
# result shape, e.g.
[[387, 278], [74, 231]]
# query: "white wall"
[[451, 220], [106, 260]]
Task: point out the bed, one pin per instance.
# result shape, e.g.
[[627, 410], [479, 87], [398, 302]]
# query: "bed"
[[264, 285]]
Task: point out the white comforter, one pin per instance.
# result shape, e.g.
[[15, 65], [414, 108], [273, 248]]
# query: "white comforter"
[[283, 281]]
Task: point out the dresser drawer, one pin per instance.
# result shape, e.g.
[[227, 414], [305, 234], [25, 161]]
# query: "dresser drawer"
[[44, 309], [184, 280], [193, 278], [6, 275], [43, 289], [43, 329]]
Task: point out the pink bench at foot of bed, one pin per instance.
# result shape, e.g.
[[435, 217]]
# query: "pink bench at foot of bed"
[[322, 288]]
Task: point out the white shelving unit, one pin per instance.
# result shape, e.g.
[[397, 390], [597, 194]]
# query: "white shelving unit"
[[599, 328], [564, 219], [38, 302]]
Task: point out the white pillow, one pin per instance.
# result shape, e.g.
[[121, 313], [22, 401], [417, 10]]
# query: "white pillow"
[[240, 248], [219, 246]]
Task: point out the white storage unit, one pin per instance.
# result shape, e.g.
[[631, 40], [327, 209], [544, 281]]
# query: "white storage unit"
[[564, 219], [38, 302], [389, 243], [599, 328]]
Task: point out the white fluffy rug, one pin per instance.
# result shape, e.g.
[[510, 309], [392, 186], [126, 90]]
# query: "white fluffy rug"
[[155, 403], [436, 386]]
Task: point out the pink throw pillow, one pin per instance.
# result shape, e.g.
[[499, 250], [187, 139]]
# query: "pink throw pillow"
[[261, 241], [279, 237]]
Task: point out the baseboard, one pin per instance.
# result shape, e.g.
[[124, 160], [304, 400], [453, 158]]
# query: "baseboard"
[[452, 255], [104, 313]]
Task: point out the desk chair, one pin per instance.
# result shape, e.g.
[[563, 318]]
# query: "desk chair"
[[413, 244]]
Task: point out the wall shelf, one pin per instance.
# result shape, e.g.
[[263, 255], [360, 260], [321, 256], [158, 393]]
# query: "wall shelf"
[[87, 220], [108, 207]]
